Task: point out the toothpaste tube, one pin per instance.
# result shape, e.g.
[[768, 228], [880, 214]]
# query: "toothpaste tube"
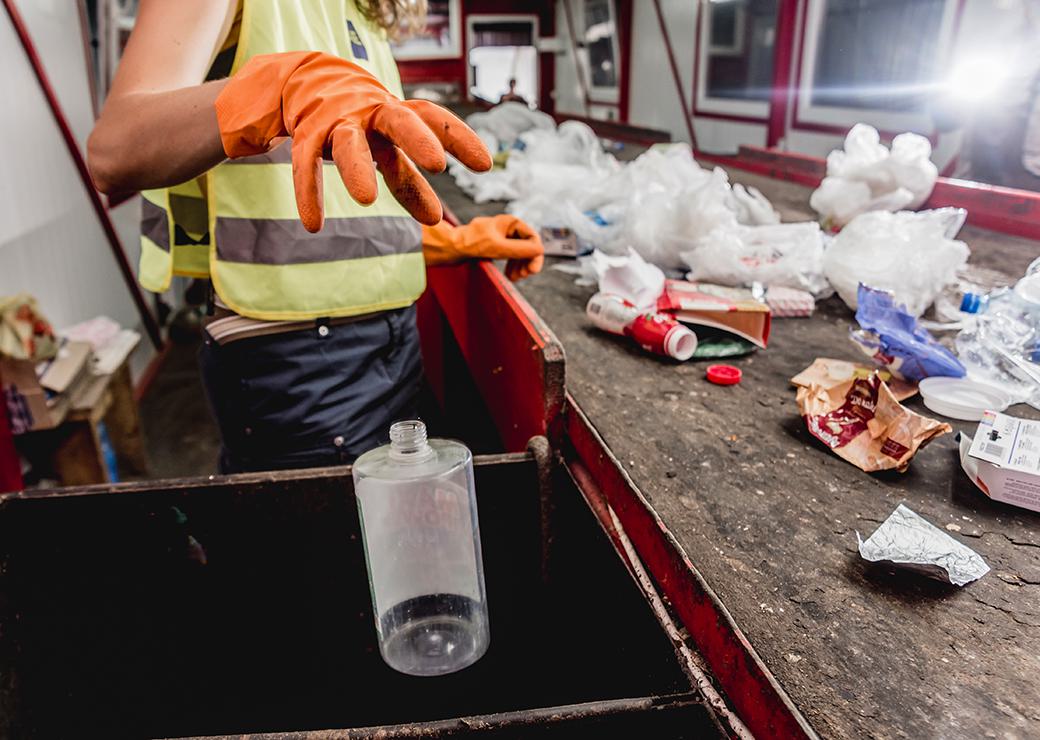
[[655, 332]]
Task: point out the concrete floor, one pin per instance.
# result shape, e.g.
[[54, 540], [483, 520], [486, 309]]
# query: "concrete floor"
[[180, 434]]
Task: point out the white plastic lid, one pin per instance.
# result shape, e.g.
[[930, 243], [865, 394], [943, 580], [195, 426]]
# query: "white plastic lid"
[[680, 343], [960, 398]]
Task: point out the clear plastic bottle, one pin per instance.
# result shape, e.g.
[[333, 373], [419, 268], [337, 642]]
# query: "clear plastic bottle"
[[422, 543]]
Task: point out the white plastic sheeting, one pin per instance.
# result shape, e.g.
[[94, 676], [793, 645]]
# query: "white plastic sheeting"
[[867, 176]]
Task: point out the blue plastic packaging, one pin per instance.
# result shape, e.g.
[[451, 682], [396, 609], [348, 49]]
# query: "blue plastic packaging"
[[893, 339]]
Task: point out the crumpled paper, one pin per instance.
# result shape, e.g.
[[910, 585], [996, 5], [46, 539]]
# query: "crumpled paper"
[[24, 333], [909, 541], [861, 421]]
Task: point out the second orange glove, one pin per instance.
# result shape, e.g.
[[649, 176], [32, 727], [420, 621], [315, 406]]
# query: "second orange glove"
[[329, 105], [495, 237]]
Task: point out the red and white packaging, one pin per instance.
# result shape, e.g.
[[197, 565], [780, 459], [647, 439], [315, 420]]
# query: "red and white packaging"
[[690, 303], [655, 332]]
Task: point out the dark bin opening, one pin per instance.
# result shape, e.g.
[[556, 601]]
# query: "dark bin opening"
[[241, 605]]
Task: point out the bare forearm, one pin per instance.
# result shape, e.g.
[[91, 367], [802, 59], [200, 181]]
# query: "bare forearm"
[[155, 139]]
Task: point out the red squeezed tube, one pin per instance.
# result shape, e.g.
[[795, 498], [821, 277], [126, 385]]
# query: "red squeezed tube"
[[655, 332]]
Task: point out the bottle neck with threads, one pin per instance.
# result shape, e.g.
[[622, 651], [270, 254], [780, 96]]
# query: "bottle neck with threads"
[[408, 442]]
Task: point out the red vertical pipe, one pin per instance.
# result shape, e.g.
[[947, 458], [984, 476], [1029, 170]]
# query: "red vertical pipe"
[[783, 58], [676, 76], [150, 324], [623, 10], [10, 465]]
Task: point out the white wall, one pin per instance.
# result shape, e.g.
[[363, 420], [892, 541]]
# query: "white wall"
[[51, 242]]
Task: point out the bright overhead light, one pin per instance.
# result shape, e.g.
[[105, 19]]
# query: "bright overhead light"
[[978, 79]]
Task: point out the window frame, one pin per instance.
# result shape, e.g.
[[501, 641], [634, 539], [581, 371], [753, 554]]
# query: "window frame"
[[753, 111], [809, 116], [402, 53], [598, 94]]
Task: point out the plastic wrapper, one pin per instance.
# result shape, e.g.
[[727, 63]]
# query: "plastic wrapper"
[[866, 176], [861, 421], [786, 255], [827, 373], [892, 337], [789, 302], [659, 204], [913, 255], [909, 541]]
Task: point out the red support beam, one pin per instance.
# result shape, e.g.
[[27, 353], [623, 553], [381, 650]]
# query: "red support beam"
[[783, 59], [151, 326]]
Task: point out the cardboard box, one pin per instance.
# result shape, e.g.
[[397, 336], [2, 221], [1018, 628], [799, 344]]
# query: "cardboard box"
[[1003, 459], [39, 394], [703, 305]]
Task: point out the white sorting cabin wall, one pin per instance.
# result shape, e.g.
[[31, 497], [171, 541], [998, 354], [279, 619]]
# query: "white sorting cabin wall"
[[51, 242]]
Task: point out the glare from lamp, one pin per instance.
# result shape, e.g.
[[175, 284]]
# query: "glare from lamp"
[[977, 80]]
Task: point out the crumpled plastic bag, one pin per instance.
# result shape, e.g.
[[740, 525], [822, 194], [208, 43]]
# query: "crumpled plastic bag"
[[751, 207], [909, 541], [866, 176], [659, 204], [894, 340], [786, 255], [24, 333], [508, 120], [911, 254]]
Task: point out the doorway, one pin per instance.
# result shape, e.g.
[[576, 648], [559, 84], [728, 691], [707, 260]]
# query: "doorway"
[[501, 48]]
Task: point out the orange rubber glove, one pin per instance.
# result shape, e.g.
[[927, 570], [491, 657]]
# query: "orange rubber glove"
[[331, 106], [486, 237]]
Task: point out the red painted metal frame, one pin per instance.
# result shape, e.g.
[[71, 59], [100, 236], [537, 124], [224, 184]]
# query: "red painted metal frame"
[[783, 59], [675, 73], [1005, 210], [10, 463], [751, 689], [150, 324], [623, 12]]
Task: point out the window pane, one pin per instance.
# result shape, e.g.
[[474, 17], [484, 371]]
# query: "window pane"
[[741, 37], [877, 54], [599, 39]]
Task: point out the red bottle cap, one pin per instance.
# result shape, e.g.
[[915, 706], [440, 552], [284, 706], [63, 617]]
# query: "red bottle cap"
[[724, 374]]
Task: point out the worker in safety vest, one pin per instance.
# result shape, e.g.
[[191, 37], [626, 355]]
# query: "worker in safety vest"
[[225, 115]]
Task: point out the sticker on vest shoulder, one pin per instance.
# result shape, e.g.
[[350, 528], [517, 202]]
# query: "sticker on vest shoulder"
[[356, 47]]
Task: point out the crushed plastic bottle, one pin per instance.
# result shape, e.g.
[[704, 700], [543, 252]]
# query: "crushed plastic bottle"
[[1000, 345]]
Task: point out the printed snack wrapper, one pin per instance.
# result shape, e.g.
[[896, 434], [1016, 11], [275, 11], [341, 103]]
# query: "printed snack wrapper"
[[862, 422], [828, 373]]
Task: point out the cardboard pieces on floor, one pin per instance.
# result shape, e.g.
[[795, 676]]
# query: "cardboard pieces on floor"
[[38, 395], [692, 303]]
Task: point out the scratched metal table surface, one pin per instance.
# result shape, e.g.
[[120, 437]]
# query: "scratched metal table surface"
[[769, 517]]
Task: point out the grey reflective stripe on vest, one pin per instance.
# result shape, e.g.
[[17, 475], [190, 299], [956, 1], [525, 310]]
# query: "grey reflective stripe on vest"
[[155, 224], [286, 242]]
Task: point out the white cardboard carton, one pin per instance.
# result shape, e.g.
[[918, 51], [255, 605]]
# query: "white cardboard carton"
[[1003, 459]]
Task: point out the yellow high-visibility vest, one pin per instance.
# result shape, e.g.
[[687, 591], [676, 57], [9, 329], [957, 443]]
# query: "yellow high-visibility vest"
[[238, 224]]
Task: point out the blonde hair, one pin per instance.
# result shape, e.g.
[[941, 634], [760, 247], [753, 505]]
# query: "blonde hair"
[[398, 17]]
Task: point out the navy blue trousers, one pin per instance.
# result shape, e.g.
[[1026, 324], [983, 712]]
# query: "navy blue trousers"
[[312, 397]]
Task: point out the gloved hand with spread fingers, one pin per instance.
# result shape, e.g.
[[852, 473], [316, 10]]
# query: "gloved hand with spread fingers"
[[486, 237], [329, 105]]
